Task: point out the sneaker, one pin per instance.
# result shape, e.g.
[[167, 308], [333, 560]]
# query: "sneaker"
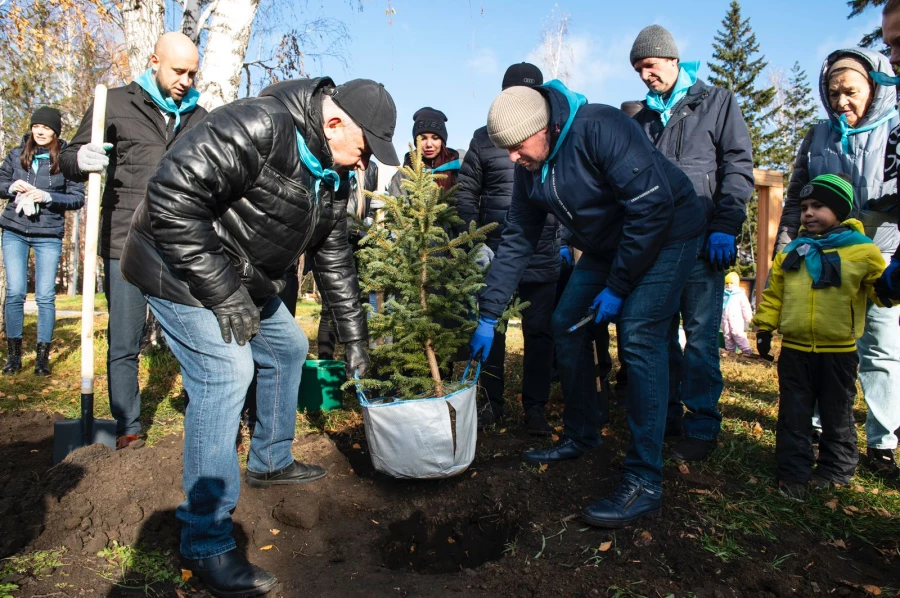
[[794, 490], [819, 483], [692, 449], [882, 462], [628, 501], [536, 424]]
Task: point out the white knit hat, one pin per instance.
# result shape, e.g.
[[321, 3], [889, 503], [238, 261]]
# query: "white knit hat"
[[515, 115]]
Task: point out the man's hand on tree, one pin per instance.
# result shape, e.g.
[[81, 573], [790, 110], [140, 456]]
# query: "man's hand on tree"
[[239, 314], [482, 339], [357, 355]]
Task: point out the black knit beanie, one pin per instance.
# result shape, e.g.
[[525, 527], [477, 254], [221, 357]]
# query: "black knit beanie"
[[832, 190], [429, 120], [49, 117], [523, 73]]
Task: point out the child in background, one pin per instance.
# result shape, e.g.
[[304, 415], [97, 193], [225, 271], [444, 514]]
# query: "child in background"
[[817, 299], [736, 314]]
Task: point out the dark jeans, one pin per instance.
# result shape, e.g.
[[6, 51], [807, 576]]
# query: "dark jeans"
[[803, 380], [127, 317], [538, 358], [695, 378]]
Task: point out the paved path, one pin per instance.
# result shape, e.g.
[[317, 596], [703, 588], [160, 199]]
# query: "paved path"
[[31, 308]]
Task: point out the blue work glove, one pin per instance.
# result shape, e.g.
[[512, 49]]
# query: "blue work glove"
[[608, 305], [565, 254], [720, 250], [482, 339], [888, 286]]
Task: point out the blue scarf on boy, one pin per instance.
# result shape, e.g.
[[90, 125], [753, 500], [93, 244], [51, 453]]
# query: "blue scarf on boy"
[[824, 272], [167, 105]]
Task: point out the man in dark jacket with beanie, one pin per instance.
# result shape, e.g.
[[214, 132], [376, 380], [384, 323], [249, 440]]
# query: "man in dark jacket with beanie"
[[701, 130], [485, 190], [228, 212], [143, 119], [639, 224]]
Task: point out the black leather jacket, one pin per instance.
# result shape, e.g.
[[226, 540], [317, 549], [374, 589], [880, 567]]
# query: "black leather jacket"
[[231, 203]]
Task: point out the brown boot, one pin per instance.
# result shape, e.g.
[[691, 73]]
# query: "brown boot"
[[124, 441]]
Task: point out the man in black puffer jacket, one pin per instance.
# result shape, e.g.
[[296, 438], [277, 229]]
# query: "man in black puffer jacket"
[[140, 132], [485, 192], [228, 212]]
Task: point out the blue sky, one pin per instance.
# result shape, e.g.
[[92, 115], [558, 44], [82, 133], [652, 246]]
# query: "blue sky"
[[451, 54]]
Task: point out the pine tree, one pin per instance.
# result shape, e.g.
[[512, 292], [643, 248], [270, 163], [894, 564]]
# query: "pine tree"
[[794, 114], [872, 39], [430, 282], [735, 68]]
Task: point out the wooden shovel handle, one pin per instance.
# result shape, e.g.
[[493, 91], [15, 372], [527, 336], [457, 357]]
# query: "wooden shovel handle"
[[92, 233]]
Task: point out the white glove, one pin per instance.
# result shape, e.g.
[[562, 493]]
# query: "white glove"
[[92, 157], [484, 257], [20, 186], [39, 197], [25, 205]]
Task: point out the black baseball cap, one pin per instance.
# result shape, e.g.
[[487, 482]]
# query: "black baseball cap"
[[371, 107], [523, 74]]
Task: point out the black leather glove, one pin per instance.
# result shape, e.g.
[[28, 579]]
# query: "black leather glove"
[[764, 344], [357, 356], [240, 314]]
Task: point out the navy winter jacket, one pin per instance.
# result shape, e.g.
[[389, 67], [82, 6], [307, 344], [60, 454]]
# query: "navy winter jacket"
[[707, 138], [50, 221], [485, 192], [604, 181]]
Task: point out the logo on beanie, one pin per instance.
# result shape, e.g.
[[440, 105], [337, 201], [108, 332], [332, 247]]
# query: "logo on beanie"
[[529, 81], [806, 191]]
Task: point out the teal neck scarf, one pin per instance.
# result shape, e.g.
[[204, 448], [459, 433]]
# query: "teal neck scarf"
[[729, 293], [811, 249], [575, 101], [313, 165], [35, 164], [846, 130], [687, 76], [167, 105], [454, 165]]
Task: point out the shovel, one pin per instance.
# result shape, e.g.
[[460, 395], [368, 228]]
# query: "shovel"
[[73, 434]]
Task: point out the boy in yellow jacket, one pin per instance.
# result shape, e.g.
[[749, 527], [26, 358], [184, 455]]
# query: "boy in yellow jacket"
[[817, 299]]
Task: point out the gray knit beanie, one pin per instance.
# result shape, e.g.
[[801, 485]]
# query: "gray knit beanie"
[[653, 42], [515, 115]]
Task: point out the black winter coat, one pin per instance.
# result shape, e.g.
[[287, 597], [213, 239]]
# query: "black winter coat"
[[617, 194], [140, 137], [485, 192], [231, 203], [707, 138], [50, 221]]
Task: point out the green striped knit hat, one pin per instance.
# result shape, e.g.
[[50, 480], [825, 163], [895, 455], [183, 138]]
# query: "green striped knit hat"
[[832, 190]]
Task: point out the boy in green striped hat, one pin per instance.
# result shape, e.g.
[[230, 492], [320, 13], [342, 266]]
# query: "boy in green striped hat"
[[817, 299]]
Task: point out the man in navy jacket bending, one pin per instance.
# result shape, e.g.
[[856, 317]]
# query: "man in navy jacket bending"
[[640, 226]]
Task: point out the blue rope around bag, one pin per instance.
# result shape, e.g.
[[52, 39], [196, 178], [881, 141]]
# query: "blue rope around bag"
[[365, 402]]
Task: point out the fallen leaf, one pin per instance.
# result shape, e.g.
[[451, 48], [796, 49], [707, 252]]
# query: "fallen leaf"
[[837, 544], [186, 575], [502, 430], [22, 397], [605, 546], [450, 540], [518, 397], [543, 468], [875, 490], [683, 468], [554, 438], [412, 548], [646, 538], [872, 590], [832, 504], [699, 491], [375, 522], [558, 429], [883, 512], [858, 488], [892, 493], [757, 429], [275, 532], [267, 547], [474, 473], [752, 480], [356, 446]]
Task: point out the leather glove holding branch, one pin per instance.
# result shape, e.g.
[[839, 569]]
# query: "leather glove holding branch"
[[238, 313]]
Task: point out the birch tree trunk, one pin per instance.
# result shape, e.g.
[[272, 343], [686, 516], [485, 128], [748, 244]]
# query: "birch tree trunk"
[[223, 58], [143, 22]]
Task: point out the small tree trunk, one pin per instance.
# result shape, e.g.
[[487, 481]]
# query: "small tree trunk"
[[223, 58], [429, 348], [143, 22]]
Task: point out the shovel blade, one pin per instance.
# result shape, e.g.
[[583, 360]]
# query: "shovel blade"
[[67, 436]]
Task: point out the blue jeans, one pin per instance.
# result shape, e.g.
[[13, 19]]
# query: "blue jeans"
[[879, 375], [127, 319], [46, 261], [644, 326], [216, 376], [695, 380]]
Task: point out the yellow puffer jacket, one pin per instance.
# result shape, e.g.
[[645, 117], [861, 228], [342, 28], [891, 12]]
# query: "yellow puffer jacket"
[[825, 320]]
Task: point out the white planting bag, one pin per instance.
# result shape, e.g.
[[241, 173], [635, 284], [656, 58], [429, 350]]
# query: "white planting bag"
[[423, 438]]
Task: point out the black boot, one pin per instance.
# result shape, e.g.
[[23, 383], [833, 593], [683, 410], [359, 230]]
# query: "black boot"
[[14, 356], [230, 574], [42, 360]]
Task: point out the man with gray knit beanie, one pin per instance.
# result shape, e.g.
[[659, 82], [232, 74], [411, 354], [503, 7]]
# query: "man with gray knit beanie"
[[700, 129], [639, 224]]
